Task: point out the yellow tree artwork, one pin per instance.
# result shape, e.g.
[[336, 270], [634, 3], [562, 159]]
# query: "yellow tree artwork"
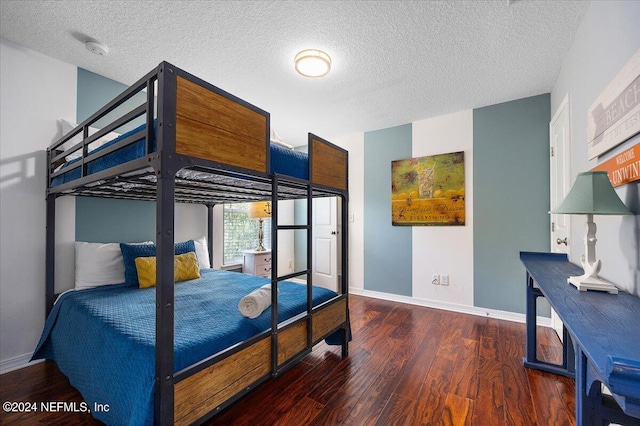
[[428, 191]]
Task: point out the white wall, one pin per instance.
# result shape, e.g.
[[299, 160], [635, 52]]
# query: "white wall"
[[35, 91], [445, 249], [607, 38]]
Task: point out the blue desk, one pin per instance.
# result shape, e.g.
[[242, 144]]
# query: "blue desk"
[[601, 340]]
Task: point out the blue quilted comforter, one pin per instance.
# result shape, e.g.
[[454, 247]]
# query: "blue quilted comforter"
[[103, 339]]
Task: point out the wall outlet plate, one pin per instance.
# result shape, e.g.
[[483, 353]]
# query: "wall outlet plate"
[[435, 279], [444, 279]]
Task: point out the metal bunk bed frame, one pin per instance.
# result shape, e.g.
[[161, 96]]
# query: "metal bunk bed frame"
[[162, 165]]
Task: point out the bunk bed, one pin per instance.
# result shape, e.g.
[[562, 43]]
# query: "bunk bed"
[[200, 144]]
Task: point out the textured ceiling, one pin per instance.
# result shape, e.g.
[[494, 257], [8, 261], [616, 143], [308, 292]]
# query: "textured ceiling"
[[393, 62]]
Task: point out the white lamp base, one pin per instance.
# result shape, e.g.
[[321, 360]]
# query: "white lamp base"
[[586, 282]]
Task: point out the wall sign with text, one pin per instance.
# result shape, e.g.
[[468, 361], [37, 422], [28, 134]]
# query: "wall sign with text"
[[615, 116], [623, 168]]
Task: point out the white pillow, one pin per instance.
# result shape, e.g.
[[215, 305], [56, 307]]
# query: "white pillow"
[[202, 253], [99, 264], [276, 139], [68, 126]]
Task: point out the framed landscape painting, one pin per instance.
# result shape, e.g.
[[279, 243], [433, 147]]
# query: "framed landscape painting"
[[428, 191]]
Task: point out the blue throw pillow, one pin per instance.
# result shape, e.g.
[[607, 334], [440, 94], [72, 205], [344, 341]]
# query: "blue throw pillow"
[[131, 251]]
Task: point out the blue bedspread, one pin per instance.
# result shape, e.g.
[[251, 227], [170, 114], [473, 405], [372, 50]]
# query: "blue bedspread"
[[283, 160], [103, 339]]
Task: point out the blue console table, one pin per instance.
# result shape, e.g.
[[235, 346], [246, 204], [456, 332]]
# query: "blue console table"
[[601, 340]]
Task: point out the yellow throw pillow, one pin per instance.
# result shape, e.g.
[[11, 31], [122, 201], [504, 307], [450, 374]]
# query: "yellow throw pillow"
[[185, 267]]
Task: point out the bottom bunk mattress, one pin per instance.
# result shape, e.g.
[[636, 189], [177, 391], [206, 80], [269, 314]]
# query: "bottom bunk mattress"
[[103, 339]]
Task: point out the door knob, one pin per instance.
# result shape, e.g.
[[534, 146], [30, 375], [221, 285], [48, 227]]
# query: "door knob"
[[333, 232], [559, 241]]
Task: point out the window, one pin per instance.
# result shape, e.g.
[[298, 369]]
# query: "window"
[[241, 232]]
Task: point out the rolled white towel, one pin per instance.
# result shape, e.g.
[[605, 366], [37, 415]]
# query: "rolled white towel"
[[254, 303]]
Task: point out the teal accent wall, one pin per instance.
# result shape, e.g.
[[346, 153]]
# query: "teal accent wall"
[[511, 197], [102, 220], [109, 220], [95, 91], [387, 249]]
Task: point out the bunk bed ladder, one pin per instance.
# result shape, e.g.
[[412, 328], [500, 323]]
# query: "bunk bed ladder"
[[276, 278]]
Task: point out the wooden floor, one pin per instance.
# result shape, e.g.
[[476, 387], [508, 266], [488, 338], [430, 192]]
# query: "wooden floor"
[[408, 365]]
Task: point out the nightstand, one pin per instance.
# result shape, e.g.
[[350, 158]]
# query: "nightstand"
[[257, 263]]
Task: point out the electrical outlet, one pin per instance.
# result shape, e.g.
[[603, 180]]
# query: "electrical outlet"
[[435, 279], [444, 279]]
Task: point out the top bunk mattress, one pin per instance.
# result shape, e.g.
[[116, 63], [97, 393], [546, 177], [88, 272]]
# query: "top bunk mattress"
[[284, 161]]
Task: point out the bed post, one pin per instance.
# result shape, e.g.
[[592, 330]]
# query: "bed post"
[[344, 286], [210, 232], [50, 259], [309, 228], [166, 168], [274, 276]]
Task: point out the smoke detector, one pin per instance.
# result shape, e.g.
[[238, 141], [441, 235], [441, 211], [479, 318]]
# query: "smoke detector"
[[96, 47]]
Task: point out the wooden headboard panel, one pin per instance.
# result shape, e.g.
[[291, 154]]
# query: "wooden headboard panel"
[[218, 128], [328, 163]]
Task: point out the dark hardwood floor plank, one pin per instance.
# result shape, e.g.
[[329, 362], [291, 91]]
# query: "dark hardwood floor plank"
[[464, 382], [518, 404], [490, 360], [324, 389], [340, 406], [457, 411], [399, 411], [369, 407], [433, 394], [303, 412], [552, 408], [416, 372], [488, 407]]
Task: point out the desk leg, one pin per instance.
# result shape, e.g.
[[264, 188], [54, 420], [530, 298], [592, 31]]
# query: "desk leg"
[[584, 406], [530, 318], [568, 351], [531, 358]]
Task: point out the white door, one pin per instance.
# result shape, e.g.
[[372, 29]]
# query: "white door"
[[560, 177], [325, 236]]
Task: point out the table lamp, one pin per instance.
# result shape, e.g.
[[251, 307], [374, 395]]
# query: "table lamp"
[[592, 194], [260, 210]]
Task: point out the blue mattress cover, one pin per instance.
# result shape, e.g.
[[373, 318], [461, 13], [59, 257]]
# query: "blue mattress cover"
[[103, 339], [283, 160]]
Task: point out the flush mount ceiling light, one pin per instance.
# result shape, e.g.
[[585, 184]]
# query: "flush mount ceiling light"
[[96, 47], [312, 63]]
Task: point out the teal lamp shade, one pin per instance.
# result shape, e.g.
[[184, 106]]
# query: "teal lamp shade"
[[592, 193]]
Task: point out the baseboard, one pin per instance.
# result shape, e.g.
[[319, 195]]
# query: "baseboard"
[[454, 307], [16, 363]]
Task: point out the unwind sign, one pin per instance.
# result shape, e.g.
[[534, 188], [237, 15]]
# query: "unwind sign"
[[623, 168]]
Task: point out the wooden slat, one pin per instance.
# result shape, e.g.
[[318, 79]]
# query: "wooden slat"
[[197, 395], [215, 128], [329, 166], [291, 341], [329, 318]]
